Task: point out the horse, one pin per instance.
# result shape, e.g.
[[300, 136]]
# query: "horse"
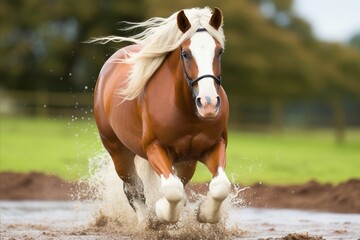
[[161, 98]]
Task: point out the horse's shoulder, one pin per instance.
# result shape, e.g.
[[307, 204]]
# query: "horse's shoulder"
[[114, 67], [123, 52]]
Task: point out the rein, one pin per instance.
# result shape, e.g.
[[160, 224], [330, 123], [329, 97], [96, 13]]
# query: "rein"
[[191, 82]]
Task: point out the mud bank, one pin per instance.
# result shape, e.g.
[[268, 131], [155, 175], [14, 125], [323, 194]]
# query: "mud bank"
[[342, 198]]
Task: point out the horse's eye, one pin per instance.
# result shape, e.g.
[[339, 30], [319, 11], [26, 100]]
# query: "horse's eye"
[[185, 55], [221, 50]]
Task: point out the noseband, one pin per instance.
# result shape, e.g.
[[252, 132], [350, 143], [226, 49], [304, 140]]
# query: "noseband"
[[191, 82]]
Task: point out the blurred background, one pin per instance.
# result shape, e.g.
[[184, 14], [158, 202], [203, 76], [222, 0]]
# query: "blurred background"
[[291, 69]]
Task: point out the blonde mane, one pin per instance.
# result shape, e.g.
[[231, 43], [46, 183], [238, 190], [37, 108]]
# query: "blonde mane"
[[161, 36]]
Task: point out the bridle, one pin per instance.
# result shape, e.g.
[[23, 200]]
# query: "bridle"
[[191, 82]]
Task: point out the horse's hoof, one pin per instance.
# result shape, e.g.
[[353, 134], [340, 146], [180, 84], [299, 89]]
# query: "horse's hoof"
[[140, 211], [206, 216], [167, 212]]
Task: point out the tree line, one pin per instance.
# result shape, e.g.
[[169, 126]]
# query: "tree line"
[[270, 52]]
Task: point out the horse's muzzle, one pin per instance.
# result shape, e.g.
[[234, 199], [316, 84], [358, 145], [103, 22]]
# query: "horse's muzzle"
[[208, 107]]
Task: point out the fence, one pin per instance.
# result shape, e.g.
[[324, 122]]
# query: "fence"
[[44, 103], [248, 113]]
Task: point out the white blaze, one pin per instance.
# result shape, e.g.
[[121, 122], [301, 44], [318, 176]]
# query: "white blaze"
[[202, 47]]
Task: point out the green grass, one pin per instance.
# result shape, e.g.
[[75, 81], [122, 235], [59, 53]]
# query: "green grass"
[[54, 146], [63, 147], [292, 157]]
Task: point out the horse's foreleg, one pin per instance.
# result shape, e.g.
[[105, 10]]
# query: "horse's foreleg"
[[219, 187], [167, 208]]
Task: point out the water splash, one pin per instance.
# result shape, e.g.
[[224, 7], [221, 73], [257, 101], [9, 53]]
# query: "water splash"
[[112, 212]]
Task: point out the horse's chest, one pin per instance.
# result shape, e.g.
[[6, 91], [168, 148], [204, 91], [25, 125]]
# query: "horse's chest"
[[189, 147]]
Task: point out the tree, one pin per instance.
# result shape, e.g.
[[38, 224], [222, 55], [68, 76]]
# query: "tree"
[[355, 41], [269, 57], [46, 50]]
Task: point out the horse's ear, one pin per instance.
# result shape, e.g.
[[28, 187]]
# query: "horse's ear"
[[216, 19], [183, 21]]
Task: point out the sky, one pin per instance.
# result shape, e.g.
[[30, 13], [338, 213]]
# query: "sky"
[[331, 20]]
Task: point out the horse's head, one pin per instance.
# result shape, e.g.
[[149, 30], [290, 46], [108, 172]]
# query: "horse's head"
[[201, 62]]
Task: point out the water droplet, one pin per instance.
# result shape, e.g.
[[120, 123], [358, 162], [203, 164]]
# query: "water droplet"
[[44, 105], [70, 74], [86, 87], [61, 78]]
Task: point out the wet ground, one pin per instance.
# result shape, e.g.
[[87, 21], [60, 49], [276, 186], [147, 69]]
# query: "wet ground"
[[76, 220]]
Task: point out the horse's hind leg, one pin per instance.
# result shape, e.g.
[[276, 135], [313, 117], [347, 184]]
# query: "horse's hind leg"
[[133, 187], [136, 198]]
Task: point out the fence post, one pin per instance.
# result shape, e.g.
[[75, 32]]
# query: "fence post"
[[339, 120], [41, 103], [276, 107]]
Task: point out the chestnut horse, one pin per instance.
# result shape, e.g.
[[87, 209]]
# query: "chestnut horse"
[[161, 99]]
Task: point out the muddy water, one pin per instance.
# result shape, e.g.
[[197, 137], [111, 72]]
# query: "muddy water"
[[111, 217], [76, 220]]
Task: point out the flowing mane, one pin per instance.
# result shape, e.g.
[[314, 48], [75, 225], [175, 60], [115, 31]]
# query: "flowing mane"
[[161, 36]]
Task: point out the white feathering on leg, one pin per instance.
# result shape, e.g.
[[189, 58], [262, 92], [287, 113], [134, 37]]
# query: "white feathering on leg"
[[219, 189], [167, 208]]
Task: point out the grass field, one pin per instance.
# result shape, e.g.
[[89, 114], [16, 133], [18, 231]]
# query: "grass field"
[[64, 146]]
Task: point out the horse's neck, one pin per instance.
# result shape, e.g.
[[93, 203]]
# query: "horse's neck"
[[183, 96]]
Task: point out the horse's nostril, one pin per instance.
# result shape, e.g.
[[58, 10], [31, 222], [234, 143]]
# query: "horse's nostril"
[[218, 102], [198, 102]]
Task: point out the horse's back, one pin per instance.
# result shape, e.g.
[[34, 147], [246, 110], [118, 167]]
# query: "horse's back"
[[113, 76], [112, 114]]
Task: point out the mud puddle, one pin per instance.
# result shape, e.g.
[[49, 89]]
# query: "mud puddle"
[[76, 220]]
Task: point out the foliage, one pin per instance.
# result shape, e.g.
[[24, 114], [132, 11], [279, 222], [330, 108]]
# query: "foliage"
[[63, 147], [355, 41], [271, 53], [43, 41]]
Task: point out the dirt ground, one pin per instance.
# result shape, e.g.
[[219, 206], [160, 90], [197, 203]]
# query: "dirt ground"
[[261, 213], [342, 198]]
